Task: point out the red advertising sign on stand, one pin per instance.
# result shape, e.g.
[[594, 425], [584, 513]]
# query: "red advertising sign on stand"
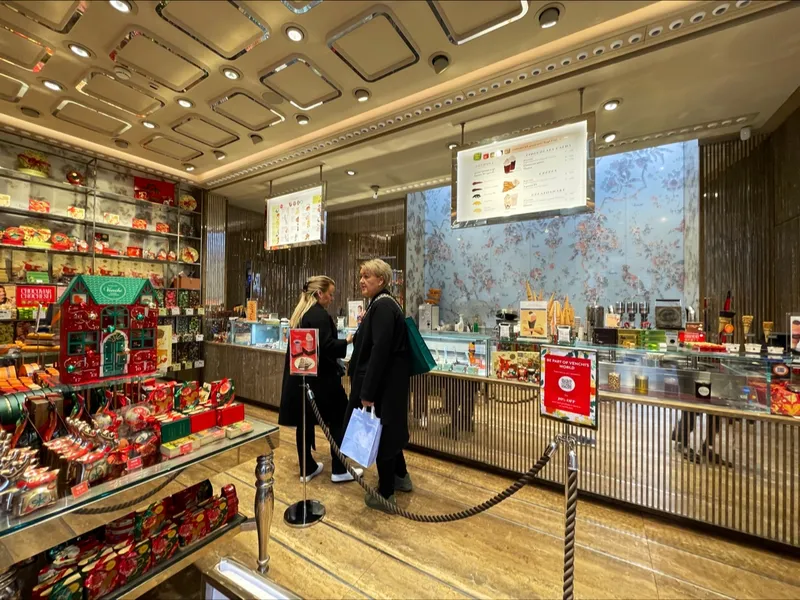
[[33, 295], [568, 389], [303, 352]]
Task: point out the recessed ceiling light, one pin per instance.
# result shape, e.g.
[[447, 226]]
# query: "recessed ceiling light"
[[30, 112], [53, 85], [149, 124], [121, 143], [188, 167], [302, 119], [549, 17], [185, 103], [294, 33], [121, 5], [219, 155], [79, 50], [231, 73], [361, 94], [609, 137], [612, 104], [452, 146], [350, 172]]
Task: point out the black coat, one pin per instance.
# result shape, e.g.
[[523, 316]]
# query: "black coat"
[[380, 371], [327, 386]]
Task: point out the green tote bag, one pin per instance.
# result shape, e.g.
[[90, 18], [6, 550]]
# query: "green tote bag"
[[421, 357]]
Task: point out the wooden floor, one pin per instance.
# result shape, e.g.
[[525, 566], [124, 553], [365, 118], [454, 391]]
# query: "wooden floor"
[[512, 551]]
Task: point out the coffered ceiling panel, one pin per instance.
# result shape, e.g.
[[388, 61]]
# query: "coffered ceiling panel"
[[245, 110], [170, 148], [356, 44], [123, 95], [22, 50], [301, 83], [157, 61], [204, 131], [225, 27], [58, 15], [464, 21], [300, 7], [11, 88], [86, 116]]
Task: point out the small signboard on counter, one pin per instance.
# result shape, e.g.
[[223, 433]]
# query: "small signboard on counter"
[[545, 173], [303, 352], [296, 219], [568, 387]]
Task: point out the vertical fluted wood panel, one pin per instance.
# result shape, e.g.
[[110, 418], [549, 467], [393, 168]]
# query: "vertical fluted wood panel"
[[353, 236], [214, 254]]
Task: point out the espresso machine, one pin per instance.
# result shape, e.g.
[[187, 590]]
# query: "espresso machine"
[[644, 314]]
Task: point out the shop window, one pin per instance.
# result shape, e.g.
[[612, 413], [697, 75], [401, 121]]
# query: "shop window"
[[116, 316], [142, 339], [78, 342]]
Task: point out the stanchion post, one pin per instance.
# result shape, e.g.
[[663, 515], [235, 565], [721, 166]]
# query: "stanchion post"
[[264, 506], [570, 514]]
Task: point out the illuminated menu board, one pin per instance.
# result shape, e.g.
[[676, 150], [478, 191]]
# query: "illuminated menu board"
[[545, 173], [296, 219]]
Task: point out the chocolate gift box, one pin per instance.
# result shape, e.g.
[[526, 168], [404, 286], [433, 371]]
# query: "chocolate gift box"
[[135, 560], [202, 420], [165, 543], [230, 414]]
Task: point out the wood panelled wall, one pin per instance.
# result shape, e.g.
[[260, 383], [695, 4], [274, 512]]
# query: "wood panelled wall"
[[750, 224], [353, 236]]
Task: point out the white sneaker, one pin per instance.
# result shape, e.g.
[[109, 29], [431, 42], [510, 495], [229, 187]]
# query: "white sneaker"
[[314, 474], [345, 477]]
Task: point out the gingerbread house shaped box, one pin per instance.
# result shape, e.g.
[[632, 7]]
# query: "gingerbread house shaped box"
[[108, 328]]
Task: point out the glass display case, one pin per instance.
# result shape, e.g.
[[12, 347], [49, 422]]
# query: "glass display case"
[[758, 383], [466, 353], [266, 334]]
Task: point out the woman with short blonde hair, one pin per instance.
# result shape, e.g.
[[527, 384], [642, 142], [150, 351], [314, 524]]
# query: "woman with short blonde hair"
[[311, 313], [380, 372]]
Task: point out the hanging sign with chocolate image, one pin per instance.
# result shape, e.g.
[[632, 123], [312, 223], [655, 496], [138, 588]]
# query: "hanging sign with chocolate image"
[[303, 352]]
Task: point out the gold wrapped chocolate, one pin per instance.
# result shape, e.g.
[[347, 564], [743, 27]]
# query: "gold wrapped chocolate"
[[767, 327], [747, 323]]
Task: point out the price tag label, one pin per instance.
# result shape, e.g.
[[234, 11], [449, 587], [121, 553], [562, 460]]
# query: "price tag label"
[[175, 338], [189, 311], [198, 337], [186, 448], [175, 366], [201, 311], [6, 315], [134, 463], [199, 363], [175, 311], [162, 312], [188, 364], [80, 489]]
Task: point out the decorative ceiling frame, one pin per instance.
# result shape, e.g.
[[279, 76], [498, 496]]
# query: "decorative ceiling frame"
[[160, 136], [133, 34], [41, 61], [83, 83], [59, 109], [612, 48], [493, 25], [307, 6], [80, 9], [195, 117], [218, 104], [373, 13], [197, 38], [23, 89], [292, 60]]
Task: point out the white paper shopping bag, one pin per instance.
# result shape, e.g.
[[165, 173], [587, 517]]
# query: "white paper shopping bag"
[[362, 438]]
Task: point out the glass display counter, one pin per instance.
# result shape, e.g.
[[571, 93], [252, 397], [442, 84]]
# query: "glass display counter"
[[463, 353], [271, 334]]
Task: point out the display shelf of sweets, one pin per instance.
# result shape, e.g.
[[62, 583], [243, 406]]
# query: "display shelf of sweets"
[[39, 180], [133, 553]]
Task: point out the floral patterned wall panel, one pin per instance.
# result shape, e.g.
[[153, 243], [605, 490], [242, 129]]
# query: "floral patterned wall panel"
[[631, 247]]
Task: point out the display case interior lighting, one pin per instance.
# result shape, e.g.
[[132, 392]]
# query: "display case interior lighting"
[[361, 95], [549, 17], [121, 5], [612, 104], [302, 119], [231, 73], [185, 103], [53, 85], [609, 137], [79, 50], [294, 33]]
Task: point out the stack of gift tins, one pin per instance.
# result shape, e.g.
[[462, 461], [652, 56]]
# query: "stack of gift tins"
[[199, 416]]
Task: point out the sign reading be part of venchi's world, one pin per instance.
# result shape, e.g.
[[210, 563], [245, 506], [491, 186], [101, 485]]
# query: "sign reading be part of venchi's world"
[[545, 173], [568, 389], [296, 219]]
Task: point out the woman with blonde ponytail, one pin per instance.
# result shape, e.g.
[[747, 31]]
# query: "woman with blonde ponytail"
[[311, 313]]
